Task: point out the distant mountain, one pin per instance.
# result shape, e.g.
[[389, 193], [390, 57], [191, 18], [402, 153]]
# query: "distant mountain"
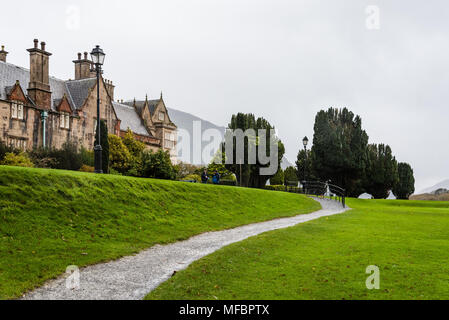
[[187, 122], [285, 163], [442, 185]]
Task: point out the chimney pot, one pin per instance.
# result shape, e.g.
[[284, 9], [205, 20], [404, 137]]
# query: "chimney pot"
[[85, 55], [79, 55], [36, 42], [3, 54], [43, 46]]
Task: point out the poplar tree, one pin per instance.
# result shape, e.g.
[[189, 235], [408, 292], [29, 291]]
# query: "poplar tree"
[[104, 142]]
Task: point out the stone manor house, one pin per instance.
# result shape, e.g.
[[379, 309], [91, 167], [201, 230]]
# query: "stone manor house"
[[39, 110]]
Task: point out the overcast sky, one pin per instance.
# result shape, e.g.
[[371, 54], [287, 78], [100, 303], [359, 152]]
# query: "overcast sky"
[[283, 60]]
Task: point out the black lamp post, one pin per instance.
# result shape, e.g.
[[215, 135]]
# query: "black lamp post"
[[98, 56], [305, 141]]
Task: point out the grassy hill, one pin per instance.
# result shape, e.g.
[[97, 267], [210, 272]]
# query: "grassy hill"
[[327, 258], [431, 197], [50, 219]]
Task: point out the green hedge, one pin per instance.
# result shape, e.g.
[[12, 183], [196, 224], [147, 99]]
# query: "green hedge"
[[283, 188]]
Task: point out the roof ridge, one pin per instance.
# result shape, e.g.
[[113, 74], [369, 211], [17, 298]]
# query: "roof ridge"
[[122, 105], [28, 70], [79, 80]]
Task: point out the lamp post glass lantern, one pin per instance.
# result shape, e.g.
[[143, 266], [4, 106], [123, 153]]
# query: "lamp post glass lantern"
[[98, 56], [305, 141]]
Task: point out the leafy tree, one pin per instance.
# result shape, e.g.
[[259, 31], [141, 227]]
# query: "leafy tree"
[[119, 156], [278, 178], [290, 176], [104, 142], [339, 149], [134, 146], [382, 171], [216, 165], [405, 185], [249, 174], [158, 165]]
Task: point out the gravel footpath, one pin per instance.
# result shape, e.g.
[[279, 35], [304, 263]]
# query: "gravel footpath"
[[133, 277]]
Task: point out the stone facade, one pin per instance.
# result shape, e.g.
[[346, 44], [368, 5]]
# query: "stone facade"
[[35, 106]]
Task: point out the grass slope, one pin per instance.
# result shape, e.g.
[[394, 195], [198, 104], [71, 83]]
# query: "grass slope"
[[327, 258], [50, 219]]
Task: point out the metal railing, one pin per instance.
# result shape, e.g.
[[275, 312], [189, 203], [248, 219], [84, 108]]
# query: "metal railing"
[[319, 189]]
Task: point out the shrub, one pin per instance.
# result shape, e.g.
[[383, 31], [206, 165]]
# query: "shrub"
[[86, 168], [227, 182], [87, 157], [192, 177], [275, 187], [66, 158], [185, 169], [114, 172], [18, 160], [119, 157], [158, 165], [278, 178], [4, 149]]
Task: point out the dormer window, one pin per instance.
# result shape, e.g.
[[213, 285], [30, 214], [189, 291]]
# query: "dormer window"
[[161, 116], [65, 121], [17, 111]]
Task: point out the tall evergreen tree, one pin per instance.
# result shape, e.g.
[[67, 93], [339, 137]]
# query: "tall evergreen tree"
[[104, 142], [278, 178], [249, 174], [309, 174], [382, 171], [405, 185], [339, 149], [290, 176]]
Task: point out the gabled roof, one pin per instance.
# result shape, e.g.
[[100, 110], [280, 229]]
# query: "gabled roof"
[[16, 93], [130, 119], [10, 73], [79, 89], [139, 105], [152, 104]]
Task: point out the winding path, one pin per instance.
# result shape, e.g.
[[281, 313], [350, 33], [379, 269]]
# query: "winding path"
[[133, 277]]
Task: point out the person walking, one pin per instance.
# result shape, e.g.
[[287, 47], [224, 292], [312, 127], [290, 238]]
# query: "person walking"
[[204, 176], [216, 177]]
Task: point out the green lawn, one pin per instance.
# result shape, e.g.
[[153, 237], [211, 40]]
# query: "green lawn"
[[50, 219], [327, 258]]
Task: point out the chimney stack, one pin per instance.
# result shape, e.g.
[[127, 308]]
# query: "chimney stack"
[[39, 86], [3, 54], [82, 67], [109, 88]]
